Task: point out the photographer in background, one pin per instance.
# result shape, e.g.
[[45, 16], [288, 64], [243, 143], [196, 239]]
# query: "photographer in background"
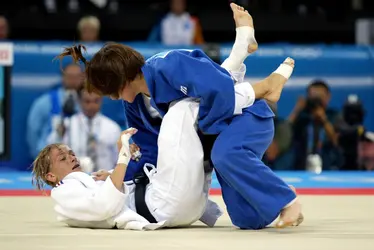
[[50, 111], [353, 138], [315, 140]]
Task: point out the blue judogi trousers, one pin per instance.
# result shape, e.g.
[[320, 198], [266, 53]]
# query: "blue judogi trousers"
[[253, 194]]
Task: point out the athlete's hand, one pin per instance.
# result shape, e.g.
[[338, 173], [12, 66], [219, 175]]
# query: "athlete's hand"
[[100, 175], [119, 142], [124, 155], [133, 149]]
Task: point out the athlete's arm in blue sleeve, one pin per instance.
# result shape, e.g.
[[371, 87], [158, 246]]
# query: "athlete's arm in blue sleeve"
[[145, 139], [196, 75]]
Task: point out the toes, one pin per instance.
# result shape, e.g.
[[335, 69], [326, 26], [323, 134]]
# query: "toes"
[[289, 61], [232, 6]]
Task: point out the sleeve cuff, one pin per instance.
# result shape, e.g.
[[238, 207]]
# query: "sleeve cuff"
[[244, 97]]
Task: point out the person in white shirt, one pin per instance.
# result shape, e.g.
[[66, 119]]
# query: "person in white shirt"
[[90, 134]]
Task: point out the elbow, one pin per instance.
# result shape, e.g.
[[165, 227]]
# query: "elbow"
[[111, 210]]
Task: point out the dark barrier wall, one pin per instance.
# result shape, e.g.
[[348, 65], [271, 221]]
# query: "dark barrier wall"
[[348, 69]]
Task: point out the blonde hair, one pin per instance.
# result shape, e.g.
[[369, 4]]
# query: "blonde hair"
[[90, 20], [41, 166]]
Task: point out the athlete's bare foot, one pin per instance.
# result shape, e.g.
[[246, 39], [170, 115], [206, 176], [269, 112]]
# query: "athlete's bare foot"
[[301, 216], [243, 18], [290, 215], [275, 86]]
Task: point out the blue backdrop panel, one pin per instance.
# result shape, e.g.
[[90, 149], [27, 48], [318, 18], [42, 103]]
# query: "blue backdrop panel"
[[348, 69], [22, 180]]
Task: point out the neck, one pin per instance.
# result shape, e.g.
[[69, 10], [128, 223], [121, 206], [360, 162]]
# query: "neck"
[[89, 116], [141, 86]]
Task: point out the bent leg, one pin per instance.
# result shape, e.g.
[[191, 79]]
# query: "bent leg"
[[237, 155], [177, 191], [241, 213]]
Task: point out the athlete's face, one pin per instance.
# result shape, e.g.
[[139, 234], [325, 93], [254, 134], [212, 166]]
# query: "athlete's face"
[[63, 162]]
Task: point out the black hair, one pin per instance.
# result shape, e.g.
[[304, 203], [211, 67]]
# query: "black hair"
[[319, 83]]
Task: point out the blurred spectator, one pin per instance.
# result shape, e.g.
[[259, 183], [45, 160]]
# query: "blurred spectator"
[[314, 128], [366, 152], [84, 6], [89, 29], [277, 156], [49, 111], [352, 134], [2, 126], [178, 27], [4, 28], [91, 135]]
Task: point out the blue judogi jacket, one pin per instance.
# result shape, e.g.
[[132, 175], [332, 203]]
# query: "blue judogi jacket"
[[174, 75]]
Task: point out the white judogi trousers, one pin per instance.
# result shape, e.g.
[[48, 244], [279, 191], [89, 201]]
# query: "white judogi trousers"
[[178, 192]]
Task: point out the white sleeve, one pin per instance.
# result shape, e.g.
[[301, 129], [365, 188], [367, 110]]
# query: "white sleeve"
[[244, 93], [75, 201], [244, 96]]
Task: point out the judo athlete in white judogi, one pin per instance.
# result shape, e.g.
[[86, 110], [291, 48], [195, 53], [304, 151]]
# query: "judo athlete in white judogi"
[[177, 193]]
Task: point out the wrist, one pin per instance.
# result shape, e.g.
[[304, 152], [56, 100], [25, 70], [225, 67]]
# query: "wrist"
[[123, 157]]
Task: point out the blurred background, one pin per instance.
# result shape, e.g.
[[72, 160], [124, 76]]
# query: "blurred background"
[[324, 118]]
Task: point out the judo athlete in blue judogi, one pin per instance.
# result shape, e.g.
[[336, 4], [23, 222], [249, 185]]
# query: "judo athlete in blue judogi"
[[253, 194]]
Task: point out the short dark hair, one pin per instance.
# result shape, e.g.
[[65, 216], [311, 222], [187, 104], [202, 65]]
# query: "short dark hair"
[[319, 83], [110, 69]]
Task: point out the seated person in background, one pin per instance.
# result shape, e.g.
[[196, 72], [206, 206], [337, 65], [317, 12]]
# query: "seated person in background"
[[89, 29], [49, 110], [314, 128], [4, 28], [354, 139], [277, 156], [366, 152], [91, 135], [178, 27]]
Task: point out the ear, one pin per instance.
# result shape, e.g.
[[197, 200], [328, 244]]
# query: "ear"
[[51, 177]]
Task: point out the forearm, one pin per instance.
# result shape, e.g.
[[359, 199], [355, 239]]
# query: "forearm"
[[124, 157], [292, 117], [118, 175], [330, 132]]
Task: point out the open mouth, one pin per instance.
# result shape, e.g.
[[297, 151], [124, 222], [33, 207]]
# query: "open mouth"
[[76, 166]]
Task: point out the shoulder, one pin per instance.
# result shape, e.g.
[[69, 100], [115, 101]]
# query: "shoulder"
[[175, 55], [43, 99], [66, 187], [109, 123]]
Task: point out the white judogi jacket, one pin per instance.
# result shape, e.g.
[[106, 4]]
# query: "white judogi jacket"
[[177, 194], [83, 202]]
